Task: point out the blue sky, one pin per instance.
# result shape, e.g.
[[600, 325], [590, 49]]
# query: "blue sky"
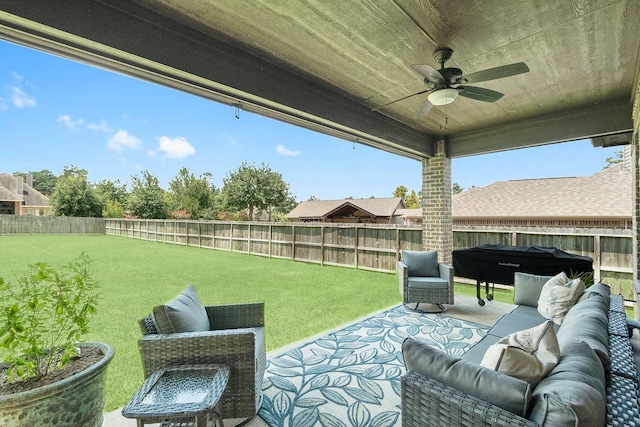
[[55, 113]]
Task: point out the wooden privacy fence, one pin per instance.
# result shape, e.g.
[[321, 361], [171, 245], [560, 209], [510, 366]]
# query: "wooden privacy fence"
[[375, 247], [367, 247], [27, 224]]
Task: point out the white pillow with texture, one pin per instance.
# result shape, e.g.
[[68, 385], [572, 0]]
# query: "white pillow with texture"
[[528, 355], [558, 295]]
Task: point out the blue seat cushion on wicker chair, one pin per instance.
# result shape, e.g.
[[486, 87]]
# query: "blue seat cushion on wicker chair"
[[428, 283], [184, 313], [421, 263]]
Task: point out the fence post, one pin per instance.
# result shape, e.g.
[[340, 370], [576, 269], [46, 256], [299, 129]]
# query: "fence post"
[[597, 258]]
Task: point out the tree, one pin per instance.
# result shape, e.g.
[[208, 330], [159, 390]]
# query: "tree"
[[618, 157], [412, 201], [113, 209], [254, 187], [456, 188], [147, 199], [44, 181], [74, 196], [195, 195], [107, 190], [400, 191]]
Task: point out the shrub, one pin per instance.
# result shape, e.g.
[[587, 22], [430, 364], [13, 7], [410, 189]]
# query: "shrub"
[[44, 315]]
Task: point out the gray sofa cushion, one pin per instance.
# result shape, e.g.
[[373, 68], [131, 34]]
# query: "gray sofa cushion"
[[509, 393], [476, 353], [587, 321], [574, 393], [527, 288], [522, 317], [184, 313], [421, 263]]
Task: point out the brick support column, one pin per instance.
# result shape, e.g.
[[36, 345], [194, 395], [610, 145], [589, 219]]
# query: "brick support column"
[[437, 224]]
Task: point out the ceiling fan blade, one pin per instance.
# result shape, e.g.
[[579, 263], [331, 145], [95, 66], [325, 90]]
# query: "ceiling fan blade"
[[495, 73], [401, 99], [424, 109], [428, 72], [479, 93]]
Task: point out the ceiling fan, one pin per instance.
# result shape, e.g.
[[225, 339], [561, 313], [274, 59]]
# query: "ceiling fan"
[[445, 84]]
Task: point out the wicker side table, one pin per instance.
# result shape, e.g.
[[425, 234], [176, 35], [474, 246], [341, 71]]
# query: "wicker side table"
[[179, 395]]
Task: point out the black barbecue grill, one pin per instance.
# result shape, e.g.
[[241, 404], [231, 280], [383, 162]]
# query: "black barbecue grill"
[[498, 263]]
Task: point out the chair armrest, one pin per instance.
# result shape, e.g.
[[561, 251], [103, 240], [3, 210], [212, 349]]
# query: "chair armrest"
[[446, 272], [231, 316], [426, 400], [234, 347], [403, 278]]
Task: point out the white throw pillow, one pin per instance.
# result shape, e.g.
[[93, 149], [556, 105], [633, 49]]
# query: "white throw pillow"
[[558, 295], [528, 355]]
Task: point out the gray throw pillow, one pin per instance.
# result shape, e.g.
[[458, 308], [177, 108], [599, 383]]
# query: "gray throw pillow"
[[527, 288], [184, 313], [421, 263], [509, 393]]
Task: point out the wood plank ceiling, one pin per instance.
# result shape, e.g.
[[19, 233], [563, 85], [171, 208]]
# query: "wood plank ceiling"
[[328, 65]]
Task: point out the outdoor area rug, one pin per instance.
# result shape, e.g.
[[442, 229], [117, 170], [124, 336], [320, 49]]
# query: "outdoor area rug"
[[351, 377]]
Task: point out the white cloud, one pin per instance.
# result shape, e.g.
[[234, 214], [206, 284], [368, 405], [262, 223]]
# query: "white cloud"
[[121, 141], [3, 105], [175, 148], [21, 99], [286, 152], [68, 122], [18, 97], [99, 127]]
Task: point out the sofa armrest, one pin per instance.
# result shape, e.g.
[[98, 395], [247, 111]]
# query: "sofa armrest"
[[231, 316], [426, 401]]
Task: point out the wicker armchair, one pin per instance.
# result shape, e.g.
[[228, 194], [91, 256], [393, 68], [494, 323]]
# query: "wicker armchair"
[[237, 340], [419, 284]]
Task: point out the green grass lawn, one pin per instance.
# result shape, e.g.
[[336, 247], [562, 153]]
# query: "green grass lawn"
[[301, 299]]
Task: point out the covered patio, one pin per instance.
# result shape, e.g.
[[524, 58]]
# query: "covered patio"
[[346, 69]]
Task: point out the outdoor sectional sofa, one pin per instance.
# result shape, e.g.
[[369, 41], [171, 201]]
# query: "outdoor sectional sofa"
[[594, 383]]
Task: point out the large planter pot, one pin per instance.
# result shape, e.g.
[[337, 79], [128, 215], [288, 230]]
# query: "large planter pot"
[[74, 401]]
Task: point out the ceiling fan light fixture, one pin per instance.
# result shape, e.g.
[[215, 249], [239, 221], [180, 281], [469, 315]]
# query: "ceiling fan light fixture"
[[443, 96]]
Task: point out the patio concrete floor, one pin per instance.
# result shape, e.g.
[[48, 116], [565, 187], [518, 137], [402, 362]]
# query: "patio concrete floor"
[[465, 308]]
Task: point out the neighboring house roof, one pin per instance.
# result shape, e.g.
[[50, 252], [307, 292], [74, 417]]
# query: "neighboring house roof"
[[9, 196], [11, 190], [410, 213], [318, 209], [606, 194]]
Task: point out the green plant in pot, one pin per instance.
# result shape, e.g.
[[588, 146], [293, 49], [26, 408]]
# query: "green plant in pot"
[[48, 375]]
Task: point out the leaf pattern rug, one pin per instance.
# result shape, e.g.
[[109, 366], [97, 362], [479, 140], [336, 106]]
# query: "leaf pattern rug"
[[351, 377]]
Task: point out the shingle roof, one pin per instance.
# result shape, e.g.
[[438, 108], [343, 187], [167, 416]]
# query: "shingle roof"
[[9, 196], [409, 213], [316, 209], [606, 194]]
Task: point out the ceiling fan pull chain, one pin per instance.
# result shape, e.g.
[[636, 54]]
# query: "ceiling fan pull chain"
[[237, 106]]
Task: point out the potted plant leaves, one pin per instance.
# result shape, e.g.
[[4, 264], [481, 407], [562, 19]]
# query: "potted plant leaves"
[[48, 375]]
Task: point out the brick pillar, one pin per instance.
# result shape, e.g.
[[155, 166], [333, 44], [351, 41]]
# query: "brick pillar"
[[437, 225]]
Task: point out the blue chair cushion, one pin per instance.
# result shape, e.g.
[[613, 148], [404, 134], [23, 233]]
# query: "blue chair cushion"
[[428, 283], [421, 263]]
